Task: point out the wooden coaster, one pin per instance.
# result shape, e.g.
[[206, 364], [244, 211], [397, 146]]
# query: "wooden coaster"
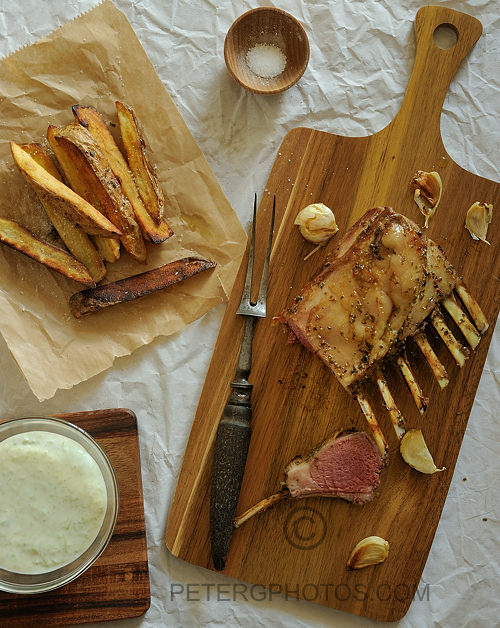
[[117, 585]]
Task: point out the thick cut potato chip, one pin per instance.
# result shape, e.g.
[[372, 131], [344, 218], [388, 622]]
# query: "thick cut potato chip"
[[62, 197], [73, 236], [92, 120], [144, 173], [93, 166], [108, 248], [19, 238], [131, 288]]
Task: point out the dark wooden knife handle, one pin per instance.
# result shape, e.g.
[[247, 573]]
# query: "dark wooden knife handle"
[[231, 448]]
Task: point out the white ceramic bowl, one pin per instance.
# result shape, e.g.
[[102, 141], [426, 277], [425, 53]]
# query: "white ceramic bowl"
[[41, 582]]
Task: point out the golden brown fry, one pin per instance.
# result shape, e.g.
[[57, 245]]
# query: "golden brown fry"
[[108, 248], [41, 157], [94, 169], [131, 288], [432, 360], [75, 239], [62, 197], [371, 419], [417, 394], [19, 238], [144, 173], [92, 120]]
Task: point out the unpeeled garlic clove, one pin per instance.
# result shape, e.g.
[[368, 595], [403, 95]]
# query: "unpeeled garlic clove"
[[316, 223], [478, 218], [428, 190], [369, 551], [415, 452]]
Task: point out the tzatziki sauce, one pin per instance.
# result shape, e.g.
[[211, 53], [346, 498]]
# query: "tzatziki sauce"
[[52, 501]]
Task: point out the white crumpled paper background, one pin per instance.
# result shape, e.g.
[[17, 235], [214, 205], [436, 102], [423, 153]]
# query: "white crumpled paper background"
[[362, 53]]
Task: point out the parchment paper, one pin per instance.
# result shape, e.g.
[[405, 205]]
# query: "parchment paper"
[[362, 52], [97, 59]]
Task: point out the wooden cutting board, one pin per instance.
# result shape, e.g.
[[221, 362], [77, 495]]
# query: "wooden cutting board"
[[117, 585], [300, 548]]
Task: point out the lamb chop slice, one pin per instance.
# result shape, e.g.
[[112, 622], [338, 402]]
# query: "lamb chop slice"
[[346, 466], [375, 291]]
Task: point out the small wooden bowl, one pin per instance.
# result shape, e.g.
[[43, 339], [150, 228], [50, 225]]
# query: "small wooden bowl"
[[266, 25]]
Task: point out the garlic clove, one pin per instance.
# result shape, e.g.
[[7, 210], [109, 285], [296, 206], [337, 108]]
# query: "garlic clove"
[[415, 452], [428, 190], [369, 551], [316, 223], [478, 218]]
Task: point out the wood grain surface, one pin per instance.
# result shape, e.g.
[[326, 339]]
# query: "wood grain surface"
[[117, 585], [301, 547]]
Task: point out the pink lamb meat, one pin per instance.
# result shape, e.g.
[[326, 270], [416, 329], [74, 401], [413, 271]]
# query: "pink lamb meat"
[[346, 466]]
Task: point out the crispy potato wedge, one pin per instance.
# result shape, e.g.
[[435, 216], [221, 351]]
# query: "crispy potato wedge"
[[40, 155], [19, 238], [144, 173], [92, 120], [84, 184], [108, 249], [131, 288], [62, 197], [94, 168], [73, 236]]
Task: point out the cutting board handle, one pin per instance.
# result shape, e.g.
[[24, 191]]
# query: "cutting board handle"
[[434, 66]]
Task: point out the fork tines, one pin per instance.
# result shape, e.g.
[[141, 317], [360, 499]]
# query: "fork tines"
[[248, 307]]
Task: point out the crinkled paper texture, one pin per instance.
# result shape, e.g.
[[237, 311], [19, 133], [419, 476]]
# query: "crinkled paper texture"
[[96, 60], [362, 53]]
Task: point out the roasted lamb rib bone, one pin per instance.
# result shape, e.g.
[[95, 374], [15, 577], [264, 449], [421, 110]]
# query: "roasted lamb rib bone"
[[421, 401], [375, 291], [470, 333], [397, 419], [472, 306], [346, 466], [459, 352], [371, 419], [432, 360]]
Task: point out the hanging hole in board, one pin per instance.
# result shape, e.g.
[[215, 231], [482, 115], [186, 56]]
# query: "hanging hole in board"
[[445, 36]]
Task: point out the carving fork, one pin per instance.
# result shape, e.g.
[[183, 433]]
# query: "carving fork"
[[234, 431]]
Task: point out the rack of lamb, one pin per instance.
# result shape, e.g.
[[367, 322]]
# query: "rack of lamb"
[[382, 285]]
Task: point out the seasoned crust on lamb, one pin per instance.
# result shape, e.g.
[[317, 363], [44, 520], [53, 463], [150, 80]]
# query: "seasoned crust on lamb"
[[385, 281], [373, 293]]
